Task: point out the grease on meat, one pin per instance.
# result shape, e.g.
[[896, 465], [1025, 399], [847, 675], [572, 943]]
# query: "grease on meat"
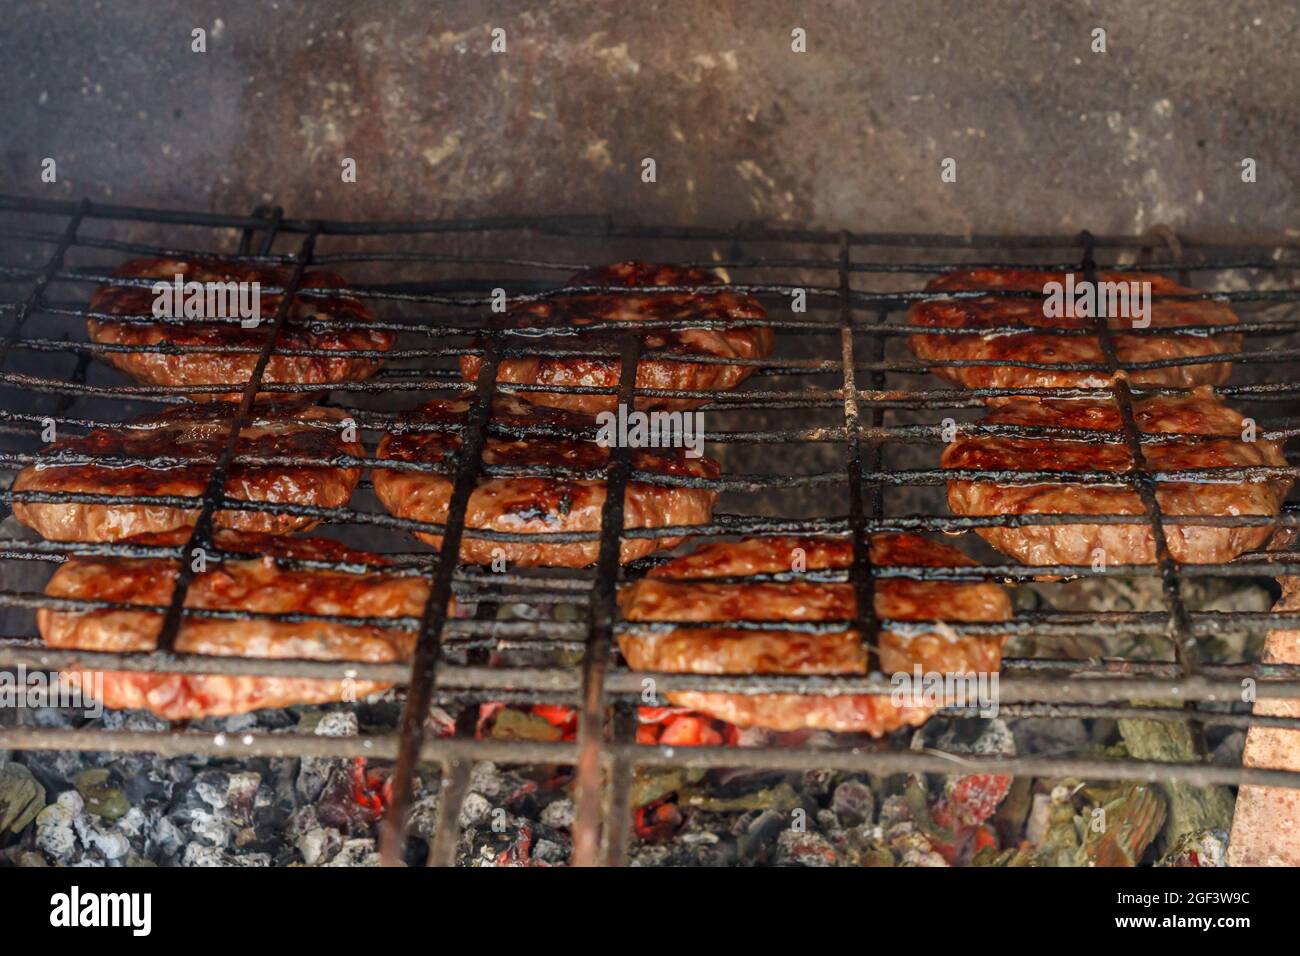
[[196, 433], [313, 322], [700, 649], [736, 341], [1119, 543], [258, 584], [1040, 344], [537, 505]]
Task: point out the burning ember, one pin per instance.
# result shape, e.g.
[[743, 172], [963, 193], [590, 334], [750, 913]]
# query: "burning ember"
[[131, 808], [372, 788], [669, 726]]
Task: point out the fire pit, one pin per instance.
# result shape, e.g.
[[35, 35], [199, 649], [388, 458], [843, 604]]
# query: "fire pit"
[[517, 735]]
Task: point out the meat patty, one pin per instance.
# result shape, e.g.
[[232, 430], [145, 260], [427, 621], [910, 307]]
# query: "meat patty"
[[196, 433], [537, 505], [738, 342], [310, 324], [1041, 343], [662, 596], [1119, 543], [261, 584]]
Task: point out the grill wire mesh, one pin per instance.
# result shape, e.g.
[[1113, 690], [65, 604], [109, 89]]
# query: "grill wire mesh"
[[839, 416]]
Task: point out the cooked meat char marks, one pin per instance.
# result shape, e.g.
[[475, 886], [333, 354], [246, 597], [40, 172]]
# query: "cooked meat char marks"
[[666, 595], [537, 504], [261, 585], [1039, 345], [310, 324], [742, 342], [1120, 543], [196, 432]]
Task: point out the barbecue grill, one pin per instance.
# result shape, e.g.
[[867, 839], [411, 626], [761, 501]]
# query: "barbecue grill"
[[849, 420]]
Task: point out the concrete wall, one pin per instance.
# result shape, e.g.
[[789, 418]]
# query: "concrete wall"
[[1047, 135]]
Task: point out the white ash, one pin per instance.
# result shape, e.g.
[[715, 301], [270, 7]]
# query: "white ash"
[[559, 814], [55, 835], [424, 816], [358, 852], [319, 845], [804, 849], [198, 855], [475, 809]]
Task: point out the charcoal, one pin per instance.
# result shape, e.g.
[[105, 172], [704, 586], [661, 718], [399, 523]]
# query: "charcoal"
[[818, 782], [651, 856], [55, 769], [762, 833], [319, 845], [911, 847], [424, 816], [475, 809], [234, 724], [1230, 749], [337, 805], [501, 787], [357, 852], [804, 849], [511, 841], [559, 814], [55, 836], [201, 804], [145, 779], [894, 810], [853, 803], [197, 854], [133, 720], [550, 852], [1202, 848], [19, 857], [314, 772], [169, 838], [108, 843]]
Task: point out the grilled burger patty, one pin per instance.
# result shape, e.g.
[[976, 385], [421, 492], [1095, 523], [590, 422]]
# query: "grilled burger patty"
[[309, 325], [258, 584], [1119, 543], [738, 342], [662, 596], [1045, 348], [197, 434], [536, 505]]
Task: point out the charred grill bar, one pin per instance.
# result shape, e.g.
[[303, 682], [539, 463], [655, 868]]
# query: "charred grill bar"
[[604, 752]]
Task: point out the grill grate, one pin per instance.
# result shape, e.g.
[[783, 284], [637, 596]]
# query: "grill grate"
[[450, 663]]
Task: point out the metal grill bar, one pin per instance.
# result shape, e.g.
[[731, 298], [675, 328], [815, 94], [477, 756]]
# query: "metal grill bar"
[[603, 227], [1144, 482], [201, 538], [428, 647], [595, 662], [861, 574], [43, 280], [853, 760]]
